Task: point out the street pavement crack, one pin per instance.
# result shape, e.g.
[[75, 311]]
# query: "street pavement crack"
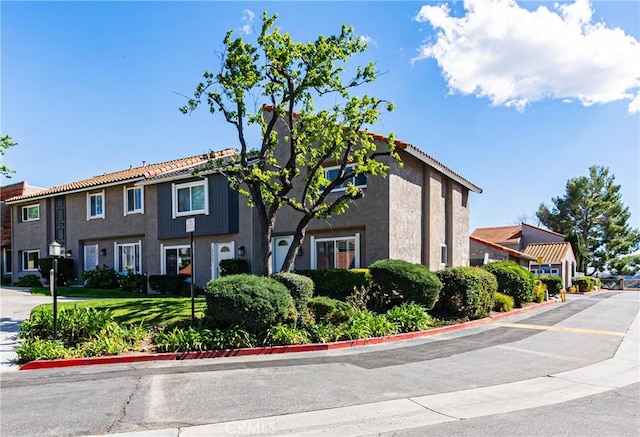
[[434, 411], [123, 408]]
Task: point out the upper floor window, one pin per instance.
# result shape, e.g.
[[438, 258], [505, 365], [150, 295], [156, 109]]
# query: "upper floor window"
[[95, 205], [30, 260], [133, 200], [30, 213], [190, 198], [332, 173]]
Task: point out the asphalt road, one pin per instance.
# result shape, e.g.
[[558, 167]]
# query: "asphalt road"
[[567, 369]]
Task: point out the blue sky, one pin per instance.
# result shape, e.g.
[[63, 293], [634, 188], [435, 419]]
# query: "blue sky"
[[516, 97]]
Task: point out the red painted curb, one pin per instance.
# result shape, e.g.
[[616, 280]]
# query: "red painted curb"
[[269, 350]]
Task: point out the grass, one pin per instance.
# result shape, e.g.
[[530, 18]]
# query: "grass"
[[95, 293], [146, 311]]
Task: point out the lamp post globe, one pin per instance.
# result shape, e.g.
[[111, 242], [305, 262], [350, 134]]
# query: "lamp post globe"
[[55, 250]]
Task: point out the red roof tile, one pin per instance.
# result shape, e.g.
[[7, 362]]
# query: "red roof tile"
[[549, 252], [512, 252], [500, 234]]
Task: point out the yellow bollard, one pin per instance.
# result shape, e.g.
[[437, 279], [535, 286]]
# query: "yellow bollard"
[[563, 295]]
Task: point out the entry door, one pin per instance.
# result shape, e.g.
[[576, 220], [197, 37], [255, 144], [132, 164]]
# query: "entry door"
[[279, 249], [219, 252]]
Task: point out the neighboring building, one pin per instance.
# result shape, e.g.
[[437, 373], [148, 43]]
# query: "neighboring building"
[[6, 192], [524, 244], [137, 220]]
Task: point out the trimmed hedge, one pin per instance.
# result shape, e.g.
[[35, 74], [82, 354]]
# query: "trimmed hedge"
[[584, 283], [466, 292], [253, 302], [101, 277], [337, 283], [234, 266], [554, 284], [169, 284], [513, 280], [502, 303], [413, 282], [65, 269], [325, 308], [300, 287]]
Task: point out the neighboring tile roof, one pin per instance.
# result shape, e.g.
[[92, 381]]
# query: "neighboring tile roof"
[[418, 153], [500, 234], [7, 192], [543, 230], [130, 175], [512, 252], [550, 252]]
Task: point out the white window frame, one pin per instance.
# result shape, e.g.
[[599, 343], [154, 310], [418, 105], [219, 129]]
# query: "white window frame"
[[139, 210], [25, 213], [163, 258], [444, 250], [91, 195], [24, 254], [174, 201], [116, 255], [96, 250], [353, 179], [313, 241]]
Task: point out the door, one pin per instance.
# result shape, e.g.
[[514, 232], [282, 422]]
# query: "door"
[[219, 252], [279, 248]]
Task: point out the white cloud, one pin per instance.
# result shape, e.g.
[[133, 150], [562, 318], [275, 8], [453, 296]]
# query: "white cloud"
[[514, 56], [247, 18], [366, 39]]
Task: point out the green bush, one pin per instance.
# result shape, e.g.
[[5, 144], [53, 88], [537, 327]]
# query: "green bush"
[[281, 335], [29, 281], [234, 266], [134, 282], [554, 284], [253, 302], [513, 280], [502, 303], [539, 292], [365, 324], [584, 283], [65, 269], [6, 280], [409, 317], [337, 283], [466, 292], [169, 284], [101, 277], [301, 289], [413, 282], [324, 308]]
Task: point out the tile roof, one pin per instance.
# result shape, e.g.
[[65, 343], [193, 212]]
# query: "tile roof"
[[550, 252], [543, 229], [500, 234], [418, 153], [512, 252], [129, 175]]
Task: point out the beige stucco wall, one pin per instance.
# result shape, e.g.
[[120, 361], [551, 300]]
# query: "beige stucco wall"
[[459, 254], [29, 235], [436, 233]]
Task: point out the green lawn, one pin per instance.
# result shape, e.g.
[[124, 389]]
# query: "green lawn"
[[94, 293]]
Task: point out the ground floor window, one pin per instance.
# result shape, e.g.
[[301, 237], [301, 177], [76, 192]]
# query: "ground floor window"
[[176, 259], [90, 257], [335, 253], [128, 258], [30, 260]]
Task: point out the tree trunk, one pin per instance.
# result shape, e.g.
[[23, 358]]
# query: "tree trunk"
[[298, 239]]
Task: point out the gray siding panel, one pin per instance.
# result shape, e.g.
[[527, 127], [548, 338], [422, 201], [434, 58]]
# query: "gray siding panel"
[[223, 211]]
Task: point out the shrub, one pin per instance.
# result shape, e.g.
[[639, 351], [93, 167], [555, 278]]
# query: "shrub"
[[584, 283], [554, 284], [513, 280], [65, 269], [539, 292], [134, 282], [29, 281], [6, 280], [253, 302], [101, 277], [466, 292], [286, 335], [413, 282], [234, 266], [365, 324], [502, 303], [169, 284], [327, 309], [337, 283], [301, 289], [409, 317]]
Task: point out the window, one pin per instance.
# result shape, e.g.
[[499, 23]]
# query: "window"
[[190, 198], [95, 205], [6, 261], [332, 173], [175, 259], [444, 255], [133, 200], [30, 213], [128, 258], [555, 272], [90, 257], [336, 253], [30, 260]]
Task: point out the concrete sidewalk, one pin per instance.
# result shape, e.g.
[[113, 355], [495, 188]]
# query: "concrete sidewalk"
[[377, 418]]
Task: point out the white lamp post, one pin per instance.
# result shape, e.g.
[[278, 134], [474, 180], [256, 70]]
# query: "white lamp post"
[[54, 251]]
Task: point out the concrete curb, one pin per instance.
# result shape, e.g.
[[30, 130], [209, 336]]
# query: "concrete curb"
[[269, 350]]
